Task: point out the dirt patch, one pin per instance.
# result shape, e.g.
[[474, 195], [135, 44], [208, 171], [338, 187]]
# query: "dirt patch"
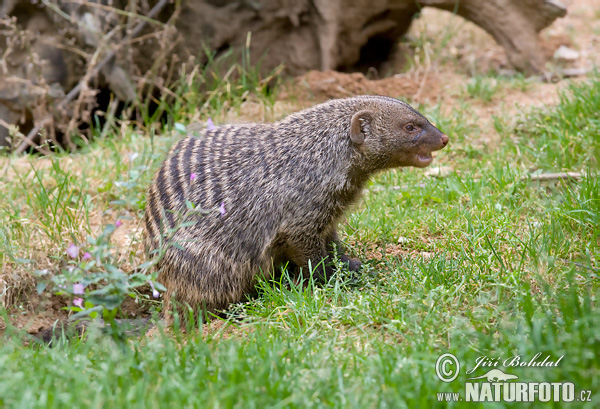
[[322, 85], [402, 251], [48, 309]]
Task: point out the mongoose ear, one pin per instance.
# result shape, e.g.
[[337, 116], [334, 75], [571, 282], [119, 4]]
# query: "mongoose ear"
[[360, 122]]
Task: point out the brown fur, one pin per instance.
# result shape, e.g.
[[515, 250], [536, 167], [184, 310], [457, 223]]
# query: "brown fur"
[[284, 187]]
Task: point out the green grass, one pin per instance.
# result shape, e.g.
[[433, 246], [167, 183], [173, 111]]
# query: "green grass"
[[213, 88], [483, 88], [567, 138], [490, 87], [484, 262]]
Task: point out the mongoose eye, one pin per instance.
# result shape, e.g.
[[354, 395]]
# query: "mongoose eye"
[[410, 128]]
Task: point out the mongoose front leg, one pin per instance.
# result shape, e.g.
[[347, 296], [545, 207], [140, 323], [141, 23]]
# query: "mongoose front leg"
[[333, 241]]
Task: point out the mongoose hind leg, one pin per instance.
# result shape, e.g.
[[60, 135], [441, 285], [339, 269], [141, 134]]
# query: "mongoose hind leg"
[[305, 250], [203, 281]]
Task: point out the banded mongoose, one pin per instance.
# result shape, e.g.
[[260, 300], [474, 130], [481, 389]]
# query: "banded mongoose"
[[281, 189]]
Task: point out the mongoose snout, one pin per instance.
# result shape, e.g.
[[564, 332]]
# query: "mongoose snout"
[[415, 139], [244, 200], [431, 139]]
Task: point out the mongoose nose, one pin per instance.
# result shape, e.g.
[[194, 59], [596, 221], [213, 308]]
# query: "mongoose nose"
[[445, 139]]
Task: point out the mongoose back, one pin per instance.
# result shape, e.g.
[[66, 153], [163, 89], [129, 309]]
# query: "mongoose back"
[[280, 189]]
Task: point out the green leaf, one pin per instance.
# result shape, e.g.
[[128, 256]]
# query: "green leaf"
[[180, 127], [40, 287], [105, 188], [109, 314], [108, 230], [177, 246], [109, 301], [87, 312]]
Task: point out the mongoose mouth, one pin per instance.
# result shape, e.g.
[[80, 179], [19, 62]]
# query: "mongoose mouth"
[[424, 159]]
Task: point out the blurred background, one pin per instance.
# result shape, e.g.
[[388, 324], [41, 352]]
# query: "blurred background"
[[70, 70]]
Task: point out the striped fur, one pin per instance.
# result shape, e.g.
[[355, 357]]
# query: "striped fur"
[[284, 187]]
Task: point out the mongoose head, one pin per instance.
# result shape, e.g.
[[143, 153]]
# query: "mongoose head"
[[394, 134]]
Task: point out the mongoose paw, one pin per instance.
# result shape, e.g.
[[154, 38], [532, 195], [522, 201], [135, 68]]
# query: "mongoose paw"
[[354, 264]]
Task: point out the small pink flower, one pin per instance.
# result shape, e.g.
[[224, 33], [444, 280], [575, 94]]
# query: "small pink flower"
[[210, 125], [78, 302], [78, 289], [155, 292], [118, 223], [87, 256], [73, 251], [222, 209], [192, 177]]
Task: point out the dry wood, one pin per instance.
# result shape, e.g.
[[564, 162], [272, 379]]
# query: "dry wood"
[[94, 71], [553, 176]]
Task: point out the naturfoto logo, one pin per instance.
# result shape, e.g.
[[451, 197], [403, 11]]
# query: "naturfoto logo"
[[496, 375], [515, 361], [498, 386]]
